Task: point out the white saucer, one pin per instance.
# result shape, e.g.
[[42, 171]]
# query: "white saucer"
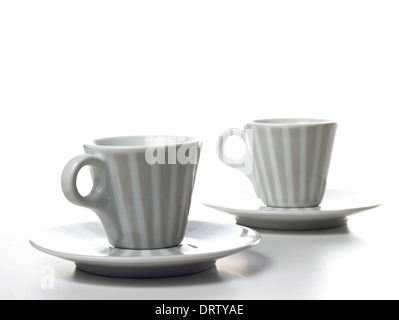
[[337, 205], [87, 246]]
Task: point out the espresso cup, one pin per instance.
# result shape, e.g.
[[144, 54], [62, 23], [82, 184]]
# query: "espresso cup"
[[287, 160], [142, 187]]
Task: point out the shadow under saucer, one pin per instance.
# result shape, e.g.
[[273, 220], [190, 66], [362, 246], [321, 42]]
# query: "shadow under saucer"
[[244, 264]]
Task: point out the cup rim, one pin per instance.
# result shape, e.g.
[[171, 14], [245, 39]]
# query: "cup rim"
[[292, 122], [142, 141]]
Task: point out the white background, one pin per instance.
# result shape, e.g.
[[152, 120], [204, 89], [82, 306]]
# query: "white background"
[[71, 71]]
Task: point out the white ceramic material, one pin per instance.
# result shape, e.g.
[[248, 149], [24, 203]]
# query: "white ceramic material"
[[287, 160], [337, 205], [142, 187], [86, 245]]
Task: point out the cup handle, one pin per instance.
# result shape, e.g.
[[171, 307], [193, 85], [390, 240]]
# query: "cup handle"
[[69, 176], [245, 163]]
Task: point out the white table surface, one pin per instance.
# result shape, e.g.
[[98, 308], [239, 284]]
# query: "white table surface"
[[79, 70], [357, 261]]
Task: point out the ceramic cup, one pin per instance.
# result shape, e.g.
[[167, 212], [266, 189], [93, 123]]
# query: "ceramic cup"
[[287, 160], [142, 187]]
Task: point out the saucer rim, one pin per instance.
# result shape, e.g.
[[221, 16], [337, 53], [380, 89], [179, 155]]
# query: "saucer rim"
[[144, 260], [301, 213]]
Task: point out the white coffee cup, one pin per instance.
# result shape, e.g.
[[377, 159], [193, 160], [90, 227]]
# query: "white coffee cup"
[[142, 187], [287, 160]]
